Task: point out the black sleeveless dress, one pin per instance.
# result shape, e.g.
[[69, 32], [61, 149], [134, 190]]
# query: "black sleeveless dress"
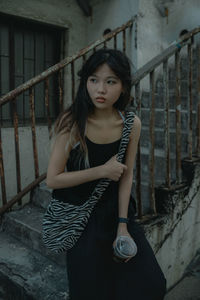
[[92, 272]]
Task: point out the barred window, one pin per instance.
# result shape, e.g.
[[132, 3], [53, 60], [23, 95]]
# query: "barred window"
[[27, 49]]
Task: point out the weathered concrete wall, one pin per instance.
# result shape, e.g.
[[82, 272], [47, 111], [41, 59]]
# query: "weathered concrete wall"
[[26, 156], [175, 237], [183, 14], [156, 32], [112, 14], [150, 32]]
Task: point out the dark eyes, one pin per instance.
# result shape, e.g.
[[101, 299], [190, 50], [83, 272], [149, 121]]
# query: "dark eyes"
[[109, 81], [93, 80]]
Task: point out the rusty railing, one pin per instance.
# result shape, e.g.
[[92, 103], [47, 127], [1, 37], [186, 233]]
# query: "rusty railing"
[[193, 109]]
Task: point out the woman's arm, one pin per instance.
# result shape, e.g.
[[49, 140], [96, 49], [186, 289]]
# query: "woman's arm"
[[127, 177], [58, 178]]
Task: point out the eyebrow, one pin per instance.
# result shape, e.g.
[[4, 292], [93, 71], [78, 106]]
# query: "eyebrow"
[[112, 76]]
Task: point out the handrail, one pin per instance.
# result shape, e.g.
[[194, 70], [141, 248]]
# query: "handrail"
[[27, 189], [25, 86], [156, 61]]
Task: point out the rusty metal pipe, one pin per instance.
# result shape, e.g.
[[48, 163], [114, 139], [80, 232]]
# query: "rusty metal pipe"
[[61, 89], [198, 109], [17, 156], [178, 119], [73, 81], [33, 130], [138, 160], [124, 40], [167, 122], [46, 86], [2, 174], [190, 102], [152, 143]]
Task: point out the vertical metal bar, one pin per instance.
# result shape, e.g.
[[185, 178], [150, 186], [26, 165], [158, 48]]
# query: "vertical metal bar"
[[166, 129], [190, 102], [198, 109], [11, 64], [138, 161], [17, 157], [46, 91], [178, 118], [115, 41], [23, 61], [2, 174], [84, 57], [32, 114], [136, 32], [1, 108], [152, 143], [73, 81], [61, 89], [124, 40]]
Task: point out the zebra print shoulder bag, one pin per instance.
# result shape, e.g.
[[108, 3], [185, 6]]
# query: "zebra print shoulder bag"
[[63, 223]]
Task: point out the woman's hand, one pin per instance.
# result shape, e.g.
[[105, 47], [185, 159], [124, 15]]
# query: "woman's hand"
[[122, 230], [113, 169]]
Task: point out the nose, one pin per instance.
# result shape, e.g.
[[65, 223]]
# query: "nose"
[[101, 88]]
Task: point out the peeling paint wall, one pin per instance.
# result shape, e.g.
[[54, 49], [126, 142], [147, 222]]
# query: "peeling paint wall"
[[175, 237], [150, 32]]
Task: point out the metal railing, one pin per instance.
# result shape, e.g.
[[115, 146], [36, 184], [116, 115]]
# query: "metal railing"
[[29, 86], [193, 130]]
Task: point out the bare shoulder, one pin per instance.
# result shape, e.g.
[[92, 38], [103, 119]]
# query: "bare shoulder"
[[136, 129], [61, 141]]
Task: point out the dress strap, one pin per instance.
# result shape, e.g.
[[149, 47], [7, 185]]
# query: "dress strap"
[[76, 145], [121, 115]]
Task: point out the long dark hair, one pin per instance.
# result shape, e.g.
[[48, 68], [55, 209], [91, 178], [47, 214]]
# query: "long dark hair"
[[73, 119]]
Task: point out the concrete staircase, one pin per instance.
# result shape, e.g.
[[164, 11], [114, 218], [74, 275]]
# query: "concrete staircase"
[[27, 269]]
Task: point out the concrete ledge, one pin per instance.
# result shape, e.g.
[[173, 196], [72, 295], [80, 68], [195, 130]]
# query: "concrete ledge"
[[27, 275], [25, 225], [174, 237]]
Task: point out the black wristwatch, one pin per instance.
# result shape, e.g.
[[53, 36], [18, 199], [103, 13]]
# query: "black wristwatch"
[[123, 220]]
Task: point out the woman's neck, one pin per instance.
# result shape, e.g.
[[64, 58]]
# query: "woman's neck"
[[104, 114]]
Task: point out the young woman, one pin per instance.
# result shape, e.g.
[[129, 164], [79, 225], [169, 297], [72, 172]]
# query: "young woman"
[[87, 139]]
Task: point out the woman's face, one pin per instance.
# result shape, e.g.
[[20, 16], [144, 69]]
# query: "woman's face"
[[104, 87]]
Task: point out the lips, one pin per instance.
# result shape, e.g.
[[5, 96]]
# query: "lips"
[[100, 100]]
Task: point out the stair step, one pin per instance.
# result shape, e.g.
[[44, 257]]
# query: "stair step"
[[27, 275], [25, 224]]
